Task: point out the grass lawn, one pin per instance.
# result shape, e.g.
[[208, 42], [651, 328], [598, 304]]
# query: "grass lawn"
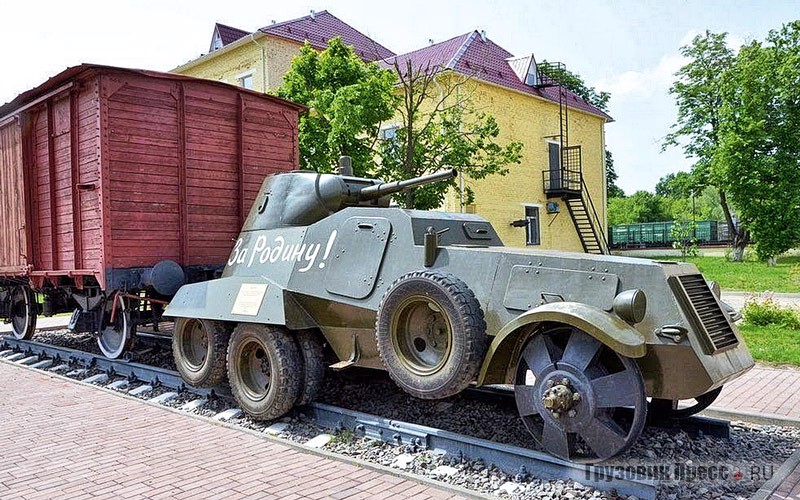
[[749, 276], [774, 344]]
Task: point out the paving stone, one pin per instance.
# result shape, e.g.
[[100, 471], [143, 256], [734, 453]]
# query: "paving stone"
[[193, 404], [100, 378], [167, 396], [319, 441], [45, 363], [140, 390], [228, 414], [276, 428]]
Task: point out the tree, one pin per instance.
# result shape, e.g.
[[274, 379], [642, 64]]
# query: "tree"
[[575, 83], [612, 190], [759, 140], [677, 185], [348, 99], [439, 128], [698, 94], [641, 206]]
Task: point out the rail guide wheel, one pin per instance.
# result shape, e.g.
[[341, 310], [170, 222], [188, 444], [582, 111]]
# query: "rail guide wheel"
[[671, 409], [568, 389], [116, 333], [24, 310]]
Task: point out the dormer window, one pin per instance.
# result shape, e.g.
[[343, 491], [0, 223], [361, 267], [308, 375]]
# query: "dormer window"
[[525, 68]]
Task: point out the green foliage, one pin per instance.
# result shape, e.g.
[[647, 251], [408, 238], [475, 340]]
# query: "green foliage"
[[612, 189], [766, 311], [575, 83], [641, 206], [748, 276], [348, 100], [772, 343], [441, 129], [758, 158], [677, 185], [682, 232]]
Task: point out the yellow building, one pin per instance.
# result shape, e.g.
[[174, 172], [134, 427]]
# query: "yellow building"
[[554, 199], [259, 60]]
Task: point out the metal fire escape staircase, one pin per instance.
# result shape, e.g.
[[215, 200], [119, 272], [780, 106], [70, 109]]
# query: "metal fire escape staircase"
[[566, 179]]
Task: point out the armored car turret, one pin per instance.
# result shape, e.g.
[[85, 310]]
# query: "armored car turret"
[[439, 302]]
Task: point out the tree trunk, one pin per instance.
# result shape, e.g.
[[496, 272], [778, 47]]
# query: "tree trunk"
[[739, 236]]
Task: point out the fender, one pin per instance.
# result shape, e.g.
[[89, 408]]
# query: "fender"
[[239, 299], [605, 327]]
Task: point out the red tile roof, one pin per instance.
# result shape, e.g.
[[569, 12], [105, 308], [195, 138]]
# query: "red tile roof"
[[320, 27], [481, 58], [229, 34]]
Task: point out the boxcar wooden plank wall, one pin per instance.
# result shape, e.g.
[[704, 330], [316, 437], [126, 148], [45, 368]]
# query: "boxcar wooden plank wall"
[[125, 168], [142, 151], [12, 201]]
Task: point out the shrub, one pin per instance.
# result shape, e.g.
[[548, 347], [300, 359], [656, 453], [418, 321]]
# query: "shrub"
[[765, 311]]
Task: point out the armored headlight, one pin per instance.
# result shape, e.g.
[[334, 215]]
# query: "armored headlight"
[[631, 306]]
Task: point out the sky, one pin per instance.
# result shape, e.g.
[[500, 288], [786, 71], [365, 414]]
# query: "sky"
[[630, 48]]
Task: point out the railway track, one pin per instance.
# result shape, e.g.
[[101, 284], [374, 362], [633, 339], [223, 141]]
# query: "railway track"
[[141, 379]]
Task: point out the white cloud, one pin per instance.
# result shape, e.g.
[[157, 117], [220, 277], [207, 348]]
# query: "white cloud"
[[642, 84]]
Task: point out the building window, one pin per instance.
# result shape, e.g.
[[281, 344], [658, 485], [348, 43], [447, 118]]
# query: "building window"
[[246, 80], [532, 235]]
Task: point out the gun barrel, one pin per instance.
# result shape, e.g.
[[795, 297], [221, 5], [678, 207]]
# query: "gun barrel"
[[372, 192]]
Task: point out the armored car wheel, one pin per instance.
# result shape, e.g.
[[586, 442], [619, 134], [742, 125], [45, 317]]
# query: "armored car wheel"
[[23, 312], [431, 334], [568, 386], [313, 365], [666, 408], [264, 367], [116, 333], [199, 347]]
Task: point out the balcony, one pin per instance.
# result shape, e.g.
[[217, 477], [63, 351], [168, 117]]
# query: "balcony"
[[564, 183]]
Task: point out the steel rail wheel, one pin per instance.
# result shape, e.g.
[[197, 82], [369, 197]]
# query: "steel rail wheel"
[[199, 347], [23, 312], [568, 386], [430, 333], [264, 370], [666, 408], [116, 334]]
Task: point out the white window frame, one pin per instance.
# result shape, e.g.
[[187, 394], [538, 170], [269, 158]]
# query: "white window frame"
[[531, 220], [240, 79]]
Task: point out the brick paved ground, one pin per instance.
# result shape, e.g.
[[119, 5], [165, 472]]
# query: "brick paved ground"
[[59, 439], [764, 390]]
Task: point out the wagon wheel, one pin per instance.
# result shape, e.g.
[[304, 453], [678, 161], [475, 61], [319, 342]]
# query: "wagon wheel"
[[666, 408], [23, 312], [568, 386], [116, 337]]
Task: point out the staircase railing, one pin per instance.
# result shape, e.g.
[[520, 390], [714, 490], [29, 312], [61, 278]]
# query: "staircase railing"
[[597, 226]]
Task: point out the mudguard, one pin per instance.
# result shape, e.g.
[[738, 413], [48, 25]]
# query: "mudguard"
[[605, 327], [234, 298]]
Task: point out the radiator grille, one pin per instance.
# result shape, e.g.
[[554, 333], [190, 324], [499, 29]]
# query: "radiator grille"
[[710, 317]]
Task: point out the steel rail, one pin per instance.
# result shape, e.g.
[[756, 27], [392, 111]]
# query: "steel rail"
[[510, 459]]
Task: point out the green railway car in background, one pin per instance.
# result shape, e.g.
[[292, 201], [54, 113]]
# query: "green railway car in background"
[[659, 234]]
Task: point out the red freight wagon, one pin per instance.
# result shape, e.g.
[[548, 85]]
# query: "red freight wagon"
[[117, 186]]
